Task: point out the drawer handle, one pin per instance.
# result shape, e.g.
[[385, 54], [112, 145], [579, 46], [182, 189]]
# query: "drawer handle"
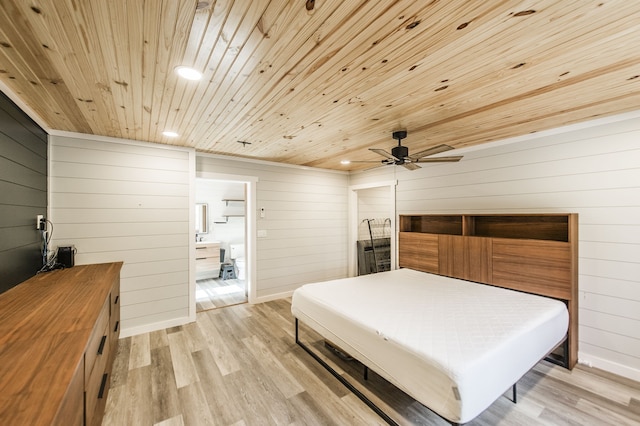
[[115, 302], [102, 343], [103, 385], [116, 327]]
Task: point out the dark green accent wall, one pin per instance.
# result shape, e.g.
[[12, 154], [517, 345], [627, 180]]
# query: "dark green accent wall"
[[23, 193]]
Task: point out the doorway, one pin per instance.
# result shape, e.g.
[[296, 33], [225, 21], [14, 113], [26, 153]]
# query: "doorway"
[[221, 243], [372, 224]]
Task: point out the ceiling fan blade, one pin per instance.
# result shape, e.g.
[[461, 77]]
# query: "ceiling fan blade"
[[431, 151], [411, 166], [439, 159], [383, 153]]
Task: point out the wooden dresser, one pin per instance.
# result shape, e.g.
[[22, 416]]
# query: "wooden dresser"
[[58, 337]]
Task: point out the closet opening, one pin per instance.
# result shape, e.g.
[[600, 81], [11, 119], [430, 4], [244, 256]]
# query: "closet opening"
[[372, 238]]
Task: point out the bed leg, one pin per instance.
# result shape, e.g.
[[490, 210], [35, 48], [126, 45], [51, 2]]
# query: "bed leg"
[[366, 372], [297, 340], [515, 395], [565, 348]]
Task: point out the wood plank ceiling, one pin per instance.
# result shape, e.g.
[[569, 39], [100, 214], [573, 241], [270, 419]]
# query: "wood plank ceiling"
[[313, 87]]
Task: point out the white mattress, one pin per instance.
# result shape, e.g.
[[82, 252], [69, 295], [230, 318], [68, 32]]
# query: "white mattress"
[[453, 345]]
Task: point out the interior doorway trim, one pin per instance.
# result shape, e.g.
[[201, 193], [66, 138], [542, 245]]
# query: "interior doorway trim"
[[353, 221], [250, 231]]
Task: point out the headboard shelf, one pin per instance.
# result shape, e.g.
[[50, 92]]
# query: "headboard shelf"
[[551, 227], [432, 224], [536, 253]]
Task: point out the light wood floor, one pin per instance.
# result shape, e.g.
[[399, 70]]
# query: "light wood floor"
[[217, 293], [240, 366]]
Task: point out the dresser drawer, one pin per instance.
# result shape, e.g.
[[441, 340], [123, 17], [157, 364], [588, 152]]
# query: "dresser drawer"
[[98, 340], [97, 384], [208, 250]]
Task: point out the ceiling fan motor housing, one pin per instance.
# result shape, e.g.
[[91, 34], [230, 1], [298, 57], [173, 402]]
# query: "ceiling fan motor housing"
[[400, 152]]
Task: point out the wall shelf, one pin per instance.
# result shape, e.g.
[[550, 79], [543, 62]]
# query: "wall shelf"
[[226, 217], [231, 200]]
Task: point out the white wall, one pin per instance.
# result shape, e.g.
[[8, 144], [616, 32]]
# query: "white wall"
[[305, 220], [593, 171], [121, 201], [374, 203]]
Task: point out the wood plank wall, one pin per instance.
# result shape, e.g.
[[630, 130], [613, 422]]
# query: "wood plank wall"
[[373, 203], [592, 171], [305, 218], [23, 193], [128, 202]]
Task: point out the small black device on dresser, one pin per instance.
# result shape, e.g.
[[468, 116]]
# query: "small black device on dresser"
[[66, 256]]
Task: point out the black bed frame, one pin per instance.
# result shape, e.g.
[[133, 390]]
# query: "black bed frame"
[[363, 397]]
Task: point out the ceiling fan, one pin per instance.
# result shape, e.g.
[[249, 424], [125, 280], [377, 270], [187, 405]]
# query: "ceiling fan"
[[400, 154]]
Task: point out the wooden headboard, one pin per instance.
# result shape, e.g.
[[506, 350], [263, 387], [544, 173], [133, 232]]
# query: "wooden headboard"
[[534, 253]]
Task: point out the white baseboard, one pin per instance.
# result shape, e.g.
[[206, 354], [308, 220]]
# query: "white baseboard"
[[609, 366], [147, 328], [270, 297]]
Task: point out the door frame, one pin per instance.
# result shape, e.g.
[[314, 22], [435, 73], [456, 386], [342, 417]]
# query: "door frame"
[[250, 228]]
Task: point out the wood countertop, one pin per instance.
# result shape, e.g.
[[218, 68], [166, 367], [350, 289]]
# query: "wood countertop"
[[45, 325]]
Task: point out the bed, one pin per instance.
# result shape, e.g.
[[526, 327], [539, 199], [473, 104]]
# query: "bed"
[[453, 345]]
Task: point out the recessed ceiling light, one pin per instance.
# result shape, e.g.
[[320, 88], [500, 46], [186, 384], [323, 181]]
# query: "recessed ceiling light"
[[170, 134], [345, 162], [188, 73]]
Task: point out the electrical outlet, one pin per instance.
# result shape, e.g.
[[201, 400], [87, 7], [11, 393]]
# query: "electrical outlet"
[[40, 223]]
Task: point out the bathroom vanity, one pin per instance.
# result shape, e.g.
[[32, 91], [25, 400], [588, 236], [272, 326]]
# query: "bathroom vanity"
[[207, 259]]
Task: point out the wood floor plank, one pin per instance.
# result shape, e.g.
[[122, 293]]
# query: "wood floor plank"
[[363, 414], [274, 370], [115, 410], [255, 410], [310, 411], [600, 396], [224, 406], [239, 365], [582, 379], [603, 414], [140, 351], [183, 368], [195, 409], [223, 356], [166, 403], [193, 337], [138, 399], [120, 368], [158, 339]]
